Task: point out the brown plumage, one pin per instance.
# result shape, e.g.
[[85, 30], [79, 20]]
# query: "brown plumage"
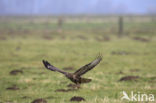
[[76, 76]]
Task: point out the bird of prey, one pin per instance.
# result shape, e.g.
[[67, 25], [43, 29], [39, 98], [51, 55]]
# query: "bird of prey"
[[76, 76]]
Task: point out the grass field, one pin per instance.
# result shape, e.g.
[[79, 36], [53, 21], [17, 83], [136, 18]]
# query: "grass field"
[[24, 43]]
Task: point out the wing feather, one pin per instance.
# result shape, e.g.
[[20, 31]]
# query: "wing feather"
[[88, 67], [51, 67]]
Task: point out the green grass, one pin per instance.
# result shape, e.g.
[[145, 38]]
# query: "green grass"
[[69, 48]]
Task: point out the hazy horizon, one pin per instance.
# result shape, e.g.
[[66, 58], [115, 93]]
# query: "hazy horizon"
[[58, 7]]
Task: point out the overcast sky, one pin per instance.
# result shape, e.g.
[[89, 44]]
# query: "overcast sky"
[[39, 7]]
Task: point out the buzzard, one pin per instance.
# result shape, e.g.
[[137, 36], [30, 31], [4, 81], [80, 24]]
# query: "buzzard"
[[76, 76]]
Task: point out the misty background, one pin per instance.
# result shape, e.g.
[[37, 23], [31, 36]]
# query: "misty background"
[[93, 7]]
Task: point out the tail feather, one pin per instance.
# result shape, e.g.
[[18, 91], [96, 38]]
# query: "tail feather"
[[85, 80]]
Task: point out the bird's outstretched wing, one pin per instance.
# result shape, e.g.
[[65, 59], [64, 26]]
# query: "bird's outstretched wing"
[[88, 67], [51, 67]]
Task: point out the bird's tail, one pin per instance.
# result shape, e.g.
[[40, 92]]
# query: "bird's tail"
[[85, 80]]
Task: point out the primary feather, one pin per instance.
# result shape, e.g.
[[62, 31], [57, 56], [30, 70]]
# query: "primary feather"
[[51, 67], [88, 67]]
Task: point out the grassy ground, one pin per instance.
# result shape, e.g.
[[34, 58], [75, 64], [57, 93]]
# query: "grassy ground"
[[24, 44]]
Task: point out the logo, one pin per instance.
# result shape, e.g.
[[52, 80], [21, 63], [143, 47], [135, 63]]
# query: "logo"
[[137, 96]]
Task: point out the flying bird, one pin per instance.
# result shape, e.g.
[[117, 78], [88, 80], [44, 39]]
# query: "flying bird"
[[75, 77]]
